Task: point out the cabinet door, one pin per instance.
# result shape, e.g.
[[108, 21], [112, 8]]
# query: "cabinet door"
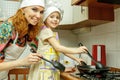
[[80, 13], [68, 13]]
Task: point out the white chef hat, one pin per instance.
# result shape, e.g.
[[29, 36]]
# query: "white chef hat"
[[26, 3], [53, 6], [50, 10]]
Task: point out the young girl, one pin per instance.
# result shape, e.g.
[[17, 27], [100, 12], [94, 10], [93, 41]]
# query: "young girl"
[[49, 47]]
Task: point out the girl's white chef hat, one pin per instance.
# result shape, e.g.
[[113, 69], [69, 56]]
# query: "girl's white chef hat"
[[51, 7], [26, 3], [50, 10]]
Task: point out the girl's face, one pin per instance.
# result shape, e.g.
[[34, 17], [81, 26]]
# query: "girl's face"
[[33, 14], [53, 20]]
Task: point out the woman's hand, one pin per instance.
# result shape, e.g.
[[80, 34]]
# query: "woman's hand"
[[32, 58], [28, 60]]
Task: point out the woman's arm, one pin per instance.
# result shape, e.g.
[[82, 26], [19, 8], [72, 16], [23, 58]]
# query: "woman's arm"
[[30, 59], [63, 49]]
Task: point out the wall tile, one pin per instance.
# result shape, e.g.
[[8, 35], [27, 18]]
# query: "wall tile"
[[107, 34]]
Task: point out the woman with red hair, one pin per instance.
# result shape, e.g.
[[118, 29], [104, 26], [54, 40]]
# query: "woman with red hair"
[[17, 33]]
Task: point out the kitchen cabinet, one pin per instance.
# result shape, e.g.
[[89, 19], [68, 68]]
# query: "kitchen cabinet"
[[67, 8], [80, 13], [77, 2], [96, 16], [93, 2], [67, 17], [87, 13], [90, 14], [87, 16]]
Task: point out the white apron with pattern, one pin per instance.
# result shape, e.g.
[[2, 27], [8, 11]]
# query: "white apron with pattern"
[[13, 52], [44, 70]]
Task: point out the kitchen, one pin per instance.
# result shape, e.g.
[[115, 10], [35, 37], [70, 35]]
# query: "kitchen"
[[104, 34]]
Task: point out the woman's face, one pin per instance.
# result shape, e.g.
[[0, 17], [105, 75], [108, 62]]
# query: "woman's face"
[[33, 14], [53, 20]]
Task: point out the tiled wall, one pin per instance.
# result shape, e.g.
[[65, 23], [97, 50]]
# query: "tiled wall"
[[68, 39], [107, 34], [8, 8]]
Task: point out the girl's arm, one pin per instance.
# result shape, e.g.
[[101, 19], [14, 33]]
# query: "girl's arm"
[[74, 58], [63, 49]]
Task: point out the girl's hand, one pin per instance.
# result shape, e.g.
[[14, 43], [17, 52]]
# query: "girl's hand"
[[79, 60], [70, 69], [82, 49]]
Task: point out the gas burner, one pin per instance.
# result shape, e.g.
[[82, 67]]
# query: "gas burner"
[[91, 73]]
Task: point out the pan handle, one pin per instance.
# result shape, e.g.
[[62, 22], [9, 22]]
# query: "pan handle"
[[98, 64]]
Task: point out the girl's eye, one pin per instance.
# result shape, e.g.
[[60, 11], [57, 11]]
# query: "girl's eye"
[[35, 9], [41, 12], [58, 17], [52, 16]]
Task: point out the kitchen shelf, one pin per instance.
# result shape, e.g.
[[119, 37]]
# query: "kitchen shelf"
[[93, 2]]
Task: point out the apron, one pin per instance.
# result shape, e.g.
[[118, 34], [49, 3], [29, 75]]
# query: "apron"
[[13, 52], [44, 70]]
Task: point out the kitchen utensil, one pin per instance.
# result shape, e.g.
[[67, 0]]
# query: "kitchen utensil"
[[89, 72], [83, 63], [56, 64], [98, 64], [90, 69]]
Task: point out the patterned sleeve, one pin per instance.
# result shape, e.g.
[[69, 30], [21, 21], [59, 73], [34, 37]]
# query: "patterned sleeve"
[[46, 33], [5, 34]]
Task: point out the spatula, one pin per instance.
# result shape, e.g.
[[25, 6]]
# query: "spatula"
[[56, 64]]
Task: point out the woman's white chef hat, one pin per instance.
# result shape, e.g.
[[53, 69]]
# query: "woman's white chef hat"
[[52, 7], [26, 3]]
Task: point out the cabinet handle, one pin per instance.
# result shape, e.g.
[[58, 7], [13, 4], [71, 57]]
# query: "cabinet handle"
[[82, 9]]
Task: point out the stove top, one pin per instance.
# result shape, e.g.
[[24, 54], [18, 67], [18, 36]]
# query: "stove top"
[[91, 73]]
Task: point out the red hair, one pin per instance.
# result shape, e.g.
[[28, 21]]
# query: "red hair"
[[21, 25]]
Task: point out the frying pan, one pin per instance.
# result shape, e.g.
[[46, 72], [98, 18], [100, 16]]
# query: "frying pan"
[[98, 64], [56, 64], [88, 69]]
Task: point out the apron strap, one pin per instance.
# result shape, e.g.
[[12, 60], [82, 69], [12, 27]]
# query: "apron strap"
[[15, 38]]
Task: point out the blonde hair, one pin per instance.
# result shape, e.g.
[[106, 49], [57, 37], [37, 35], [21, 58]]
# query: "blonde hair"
[[21, 26]]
